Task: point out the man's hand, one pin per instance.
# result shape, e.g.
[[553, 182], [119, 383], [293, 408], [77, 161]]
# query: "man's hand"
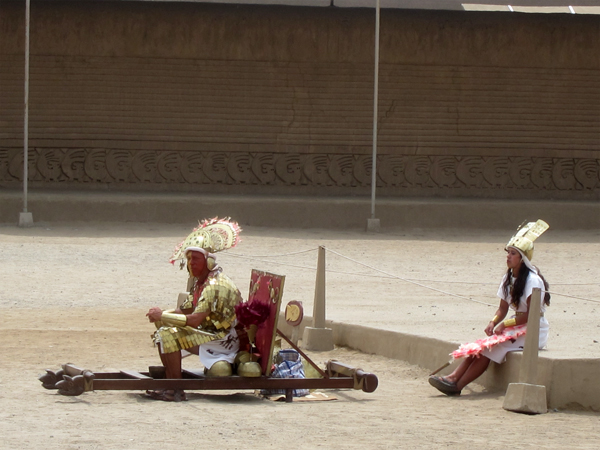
[[154, 314]]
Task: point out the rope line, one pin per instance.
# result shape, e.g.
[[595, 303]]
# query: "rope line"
[[572, 296], [388, 275], [235, 255], [406, 280]]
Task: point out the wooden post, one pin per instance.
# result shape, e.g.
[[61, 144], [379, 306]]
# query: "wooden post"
[[318, 337], [525, 396], [528, 372], [319, 304]]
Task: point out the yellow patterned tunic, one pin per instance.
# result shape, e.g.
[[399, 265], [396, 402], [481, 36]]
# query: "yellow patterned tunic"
[[218, 296]]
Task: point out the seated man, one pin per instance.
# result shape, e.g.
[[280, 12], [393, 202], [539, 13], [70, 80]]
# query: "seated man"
[[205, 322]]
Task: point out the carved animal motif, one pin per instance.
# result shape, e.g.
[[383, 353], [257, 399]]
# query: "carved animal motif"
[[76, 385], [51, 378]]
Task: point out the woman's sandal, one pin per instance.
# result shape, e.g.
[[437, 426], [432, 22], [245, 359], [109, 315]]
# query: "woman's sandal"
[[165, 395], [444, 386]]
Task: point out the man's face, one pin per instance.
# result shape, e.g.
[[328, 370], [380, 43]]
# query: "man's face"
[[196, 263]]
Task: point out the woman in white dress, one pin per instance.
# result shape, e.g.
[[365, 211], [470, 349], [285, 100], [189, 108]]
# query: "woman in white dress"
[[515, 294]]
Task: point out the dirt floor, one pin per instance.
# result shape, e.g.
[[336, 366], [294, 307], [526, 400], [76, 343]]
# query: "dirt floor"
[[78, 293]]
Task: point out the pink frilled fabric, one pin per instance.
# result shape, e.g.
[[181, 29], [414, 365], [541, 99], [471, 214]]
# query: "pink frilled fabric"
[[475, 348]]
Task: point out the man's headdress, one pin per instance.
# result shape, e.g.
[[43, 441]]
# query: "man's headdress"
[[209, 237]]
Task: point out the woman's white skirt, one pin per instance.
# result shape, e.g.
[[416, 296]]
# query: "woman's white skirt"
[[498, 352]]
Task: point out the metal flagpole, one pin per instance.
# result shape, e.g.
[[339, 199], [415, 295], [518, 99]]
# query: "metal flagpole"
[[26, 218], [373, 223]]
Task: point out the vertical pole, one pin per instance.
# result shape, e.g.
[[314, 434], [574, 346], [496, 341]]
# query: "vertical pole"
[[375, 109], [26, 218], [526, 396], [26, 114], [319, 303], [317, 337], [528, 371]]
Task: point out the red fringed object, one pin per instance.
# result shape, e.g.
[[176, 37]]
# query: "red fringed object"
[[252, 313], [475, 348]]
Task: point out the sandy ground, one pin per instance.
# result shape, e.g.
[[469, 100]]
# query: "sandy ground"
[[78, 293]]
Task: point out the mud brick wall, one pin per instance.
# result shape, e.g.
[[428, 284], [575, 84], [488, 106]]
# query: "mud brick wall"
[[262, 99]]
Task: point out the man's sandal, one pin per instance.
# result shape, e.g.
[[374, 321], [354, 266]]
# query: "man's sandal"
[[167, 395], [444, 386]]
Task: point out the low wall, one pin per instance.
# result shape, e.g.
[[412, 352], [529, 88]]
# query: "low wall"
[[570, 383], [296, 211]]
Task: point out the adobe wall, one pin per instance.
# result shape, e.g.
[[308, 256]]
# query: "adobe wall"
[[189, 97]]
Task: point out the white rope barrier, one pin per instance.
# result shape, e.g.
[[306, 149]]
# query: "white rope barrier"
[[572, 296], [240, 255], [407, 280], [387, 275]]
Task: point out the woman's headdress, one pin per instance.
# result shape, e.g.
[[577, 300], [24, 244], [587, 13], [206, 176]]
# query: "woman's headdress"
[[209, 237], [523, 239]]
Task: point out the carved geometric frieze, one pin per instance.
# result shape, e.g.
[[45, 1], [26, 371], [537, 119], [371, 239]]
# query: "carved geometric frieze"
[[4, 161], [73, 163], [239, 167], [215, 167], [391, 170], [316, 170], [417, 171], [95, 165], [541, 173], [443, 172], [470, 171], [340, 170], [519, 172], [167, 165], [118, 164], [263, 168], [48, 164], [587, 172], [288, 168], [144, 166]]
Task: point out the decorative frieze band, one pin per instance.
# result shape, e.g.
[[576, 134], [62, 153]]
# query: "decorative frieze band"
[[67, 165]]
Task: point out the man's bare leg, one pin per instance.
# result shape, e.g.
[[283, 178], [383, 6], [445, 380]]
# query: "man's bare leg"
[[172, 363]]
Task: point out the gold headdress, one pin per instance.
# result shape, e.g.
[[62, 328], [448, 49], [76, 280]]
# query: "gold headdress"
[[209, 237], [525, 235]]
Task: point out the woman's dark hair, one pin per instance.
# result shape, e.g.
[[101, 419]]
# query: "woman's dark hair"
[[516, 292]]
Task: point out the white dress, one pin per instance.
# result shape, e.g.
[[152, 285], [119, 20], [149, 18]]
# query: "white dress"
[[498, 352]]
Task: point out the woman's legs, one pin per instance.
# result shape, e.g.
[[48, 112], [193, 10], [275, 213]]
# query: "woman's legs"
[[474, 371], [468, 370], [460, 370]]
